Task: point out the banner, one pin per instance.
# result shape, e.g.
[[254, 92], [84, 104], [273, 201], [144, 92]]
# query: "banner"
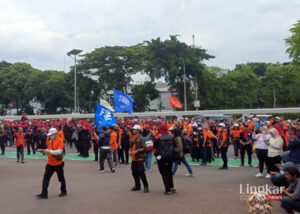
[[174, 102], [106, 104], [104, 117], [123, 102]]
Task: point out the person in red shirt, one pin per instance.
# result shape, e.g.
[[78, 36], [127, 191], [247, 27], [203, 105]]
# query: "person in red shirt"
[[55, 164]]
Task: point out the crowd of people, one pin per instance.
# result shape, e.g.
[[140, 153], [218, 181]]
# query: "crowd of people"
[[170, 141]]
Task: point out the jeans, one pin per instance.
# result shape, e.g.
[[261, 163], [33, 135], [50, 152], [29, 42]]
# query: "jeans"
[[262, 155], [248, 149], [148, 160], [236, 146], [187, 165], [115, 157], [290, 205], [224, 156], [138, 173], [48, 174], [165, 169], [105, 154], [20, 151]]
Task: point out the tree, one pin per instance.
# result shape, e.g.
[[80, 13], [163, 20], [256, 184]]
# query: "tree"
[[169, 58], [294, 43], [20, 84], [113, 66], [142, 95]]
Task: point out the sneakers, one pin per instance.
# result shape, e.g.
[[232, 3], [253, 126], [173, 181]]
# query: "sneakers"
[[41, 196], [101, 170], [223, 168], [259, 175], [135, 188], [268, 176], [189, 175], [62, 194], [146, 189], [113, 170]]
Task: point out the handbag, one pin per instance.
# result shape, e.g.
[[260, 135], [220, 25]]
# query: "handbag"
[[149, 145]]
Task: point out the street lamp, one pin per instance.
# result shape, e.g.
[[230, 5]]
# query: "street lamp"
[[74, 52]]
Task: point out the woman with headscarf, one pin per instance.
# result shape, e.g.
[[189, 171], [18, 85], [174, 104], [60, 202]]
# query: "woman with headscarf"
[[275, 149]]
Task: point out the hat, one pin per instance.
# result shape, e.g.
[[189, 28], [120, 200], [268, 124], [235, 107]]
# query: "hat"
[[221, 124], [277, 118], [137, 127], [163, 127], [52, 131], [236, 125]]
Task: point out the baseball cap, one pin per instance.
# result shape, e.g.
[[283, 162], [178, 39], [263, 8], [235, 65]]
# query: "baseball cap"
[[236, 125], [221, 124], [136, 127], [52, 131]]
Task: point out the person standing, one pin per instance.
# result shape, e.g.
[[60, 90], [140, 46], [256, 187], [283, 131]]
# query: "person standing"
[[261, 137], [124, 148], [19, 143], [138, 155], [246, 145], [55, 164], [148, 137], [162, 145], [235, 136], [2, 141], [274, 151], [95, 134], [223, 145], [84, 138]]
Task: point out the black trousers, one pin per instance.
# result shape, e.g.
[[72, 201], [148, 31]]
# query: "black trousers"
[[262, 155], [248, 149], [138, 173], [216, 149], [124, 149], [96, 149], [273, 161], [165, 169], [2, 145], [30, 144], [224, 156], [60, 175]]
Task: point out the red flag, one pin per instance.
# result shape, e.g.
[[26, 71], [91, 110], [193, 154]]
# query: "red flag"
[[174, 102]]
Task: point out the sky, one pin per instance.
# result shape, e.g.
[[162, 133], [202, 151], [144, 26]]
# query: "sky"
[[41, 32]]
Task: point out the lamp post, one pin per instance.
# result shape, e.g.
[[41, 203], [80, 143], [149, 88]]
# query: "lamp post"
[[184, 87], [74, 53]]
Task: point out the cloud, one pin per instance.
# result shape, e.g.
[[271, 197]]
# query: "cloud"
[[235, 31]]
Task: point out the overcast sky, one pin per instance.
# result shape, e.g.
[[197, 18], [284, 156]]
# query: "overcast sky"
[[41, 32]]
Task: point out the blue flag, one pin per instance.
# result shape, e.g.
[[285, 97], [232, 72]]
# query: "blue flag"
[[104, 117], [123, 102]]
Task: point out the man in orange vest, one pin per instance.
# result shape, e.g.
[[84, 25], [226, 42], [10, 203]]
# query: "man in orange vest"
[[20, 144], [55, 164], [114, 145]]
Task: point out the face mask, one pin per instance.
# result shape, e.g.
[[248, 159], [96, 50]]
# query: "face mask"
[[52, 137]]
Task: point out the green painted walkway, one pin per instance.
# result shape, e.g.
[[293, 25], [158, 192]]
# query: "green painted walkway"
[[74, 156]]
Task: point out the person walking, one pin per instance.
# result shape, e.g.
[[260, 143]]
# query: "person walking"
[[223, 145], [55, 164], [275, 149], [138, 155], [179, 145], [164, 150], [105, 151], [114, 145]]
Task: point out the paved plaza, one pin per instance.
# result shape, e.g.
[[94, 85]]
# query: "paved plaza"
[[210, 191]]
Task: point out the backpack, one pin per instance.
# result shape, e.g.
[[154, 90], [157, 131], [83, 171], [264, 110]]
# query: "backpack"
[[187, 145], [167, 149]]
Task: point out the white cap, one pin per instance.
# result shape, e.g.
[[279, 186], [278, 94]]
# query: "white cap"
[[277, 118], [236, 125], [52, 131], [221, 124], [136, 127]]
